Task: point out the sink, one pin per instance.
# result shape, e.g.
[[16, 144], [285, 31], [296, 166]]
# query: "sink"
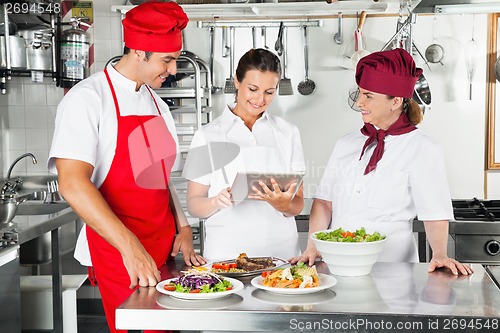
[[35, 205], [40, 208], [34, 183]]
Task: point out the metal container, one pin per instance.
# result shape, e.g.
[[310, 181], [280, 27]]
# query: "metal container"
[[17, 52], [8, 208], [39, 48]]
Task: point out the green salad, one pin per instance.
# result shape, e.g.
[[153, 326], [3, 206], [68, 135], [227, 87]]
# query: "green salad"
[[340, 235]]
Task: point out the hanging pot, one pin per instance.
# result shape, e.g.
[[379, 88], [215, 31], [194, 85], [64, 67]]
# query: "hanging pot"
[[422, 93]]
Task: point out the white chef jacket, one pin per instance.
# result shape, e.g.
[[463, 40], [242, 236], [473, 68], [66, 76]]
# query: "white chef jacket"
[[241, 231], [86, 127], [409, 180]]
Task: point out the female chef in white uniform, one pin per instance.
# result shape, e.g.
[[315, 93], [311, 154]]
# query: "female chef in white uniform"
[[265, 226], [383, 176]]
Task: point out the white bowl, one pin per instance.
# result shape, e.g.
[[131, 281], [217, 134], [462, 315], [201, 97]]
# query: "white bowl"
[[348, 259]]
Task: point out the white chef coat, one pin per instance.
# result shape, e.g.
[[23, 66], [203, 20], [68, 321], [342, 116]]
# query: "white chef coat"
[[409, 180], [86, 127], [253, 227]]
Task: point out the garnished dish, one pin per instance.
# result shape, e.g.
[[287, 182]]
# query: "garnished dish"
[[199, 283], [298, 279], [245, 266], [339, 235], [299, 276]]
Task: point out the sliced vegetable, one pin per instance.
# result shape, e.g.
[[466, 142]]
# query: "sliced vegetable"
[[199, 281], [169, 287], [339, 235]]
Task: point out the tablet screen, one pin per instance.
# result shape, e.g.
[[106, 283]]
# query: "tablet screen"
[[242, 185]]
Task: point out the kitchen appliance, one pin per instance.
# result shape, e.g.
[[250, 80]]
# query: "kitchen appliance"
[[476, 231]]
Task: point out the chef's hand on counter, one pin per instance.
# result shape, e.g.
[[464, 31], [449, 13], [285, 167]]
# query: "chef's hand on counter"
[[284, 202], [437, 235], [455, 266], [184, 243], [140, 266]]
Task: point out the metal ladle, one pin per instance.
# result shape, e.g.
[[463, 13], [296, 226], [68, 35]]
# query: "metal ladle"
[[306, 86]]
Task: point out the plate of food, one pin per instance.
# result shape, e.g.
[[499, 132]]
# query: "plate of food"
[[199, 284], [245, 266], [294, 280]]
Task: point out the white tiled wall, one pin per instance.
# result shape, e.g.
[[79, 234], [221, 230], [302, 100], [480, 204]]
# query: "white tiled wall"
[[27, 111]]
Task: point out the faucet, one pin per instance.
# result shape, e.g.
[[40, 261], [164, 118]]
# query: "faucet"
[[8, 187], [17, 160]]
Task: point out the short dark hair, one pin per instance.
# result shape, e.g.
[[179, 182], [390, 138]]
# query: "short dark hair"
[[126, 50], [258, 59]]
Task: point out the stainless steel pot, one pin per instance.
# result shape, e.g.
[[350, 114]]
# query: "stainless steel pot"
[[422, 92], [39, 48], [17, 52], [8, 207]]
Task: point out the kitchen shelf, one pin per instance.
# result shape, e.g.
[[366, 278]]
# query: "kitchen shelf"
[[281, 10]]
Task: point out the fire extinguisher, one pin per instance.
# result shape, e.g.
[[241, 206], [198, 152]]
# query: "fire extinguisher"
[[74, 54]]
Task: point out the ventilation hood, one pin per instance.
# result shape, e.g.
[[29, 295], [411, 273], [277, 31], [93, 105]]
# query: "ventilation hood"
[[457, 6]]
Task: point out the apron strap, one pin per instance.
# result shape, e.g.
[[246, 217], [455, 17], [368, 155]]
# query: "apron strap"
[[91, 277], [117, 108], [154, 100]]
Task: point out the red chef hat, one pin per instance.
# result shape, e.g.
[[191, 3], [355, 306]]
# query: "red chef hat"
[[154, 26], [392, 73]]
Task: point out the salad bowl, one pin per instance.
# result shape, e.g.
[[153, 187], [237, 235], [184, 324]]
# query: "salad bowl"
[[348, 258]]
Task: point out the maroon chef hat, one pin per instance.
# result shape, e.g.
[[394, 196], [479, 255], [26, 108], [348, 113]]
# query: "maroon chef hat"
[[155, 26], [392, 73]]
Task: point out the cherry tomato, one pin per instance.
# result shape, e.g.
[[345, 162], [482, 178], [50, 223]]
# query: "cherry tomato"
[[217, 266], [233, 265], [266, 273], [346, 234], [195, 291], [169, 287], [225, 267]]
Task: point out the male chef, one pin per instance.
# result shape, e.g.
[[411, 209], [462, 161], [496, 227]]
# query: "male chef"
[[113, 149]]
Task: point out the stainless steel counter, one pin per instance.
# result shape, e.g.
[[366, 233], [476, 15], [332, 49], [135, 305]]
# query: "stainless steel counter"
[[394, 297]]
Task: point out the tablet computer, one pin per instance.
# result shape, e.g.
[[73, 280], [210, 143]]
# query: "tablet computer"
[[244, 181]]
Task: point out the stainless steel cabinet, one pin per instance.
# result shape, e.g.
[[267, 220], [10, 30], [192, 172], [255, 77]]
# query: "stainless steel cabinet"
[[10, 290]]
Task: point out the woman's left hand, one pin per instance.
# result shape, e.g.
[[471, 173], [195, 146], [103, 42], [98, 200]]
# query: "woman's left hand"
[[452, 264], [278, 199]]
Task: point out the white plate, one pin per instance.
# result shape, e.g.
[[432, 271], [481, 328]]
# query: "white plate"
[[327, 281], [202, 304], [237, 286], [294, 300]]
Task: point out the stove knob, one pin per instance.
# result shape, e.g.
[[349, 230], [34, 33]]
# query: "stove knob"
[[492, 247]]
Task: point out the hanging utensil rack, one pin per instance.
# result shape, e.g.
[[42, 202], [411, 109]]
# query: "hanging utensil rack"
[[260, 23]]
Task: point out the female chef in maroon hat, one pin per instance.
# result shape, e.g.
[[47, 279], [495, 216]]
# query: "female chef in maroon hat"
[[383, 176], [114, 147]]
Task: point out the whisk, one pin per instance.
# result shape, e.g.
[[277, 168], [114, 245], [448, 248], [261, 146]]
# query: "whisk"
[[471, 60]]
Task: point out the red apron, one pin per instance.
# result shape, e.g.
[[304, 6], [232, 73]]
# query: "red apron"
[[142, 209]]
